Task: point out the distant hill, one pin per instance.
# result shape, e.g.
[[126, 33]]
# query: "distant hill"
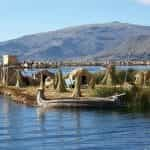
[[96, 41]]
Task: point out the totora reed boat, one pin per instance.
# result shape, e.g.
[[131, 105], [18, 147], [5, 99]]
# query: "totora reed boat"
[[116, 101]]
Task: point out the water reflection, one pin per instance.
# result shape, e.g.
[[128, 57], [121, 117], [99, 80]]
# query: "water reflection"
[[41, 114], [37, 128]]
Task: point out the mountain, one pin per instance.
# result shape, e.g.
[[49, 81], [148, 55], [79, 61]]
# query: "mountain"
[[96, 41]]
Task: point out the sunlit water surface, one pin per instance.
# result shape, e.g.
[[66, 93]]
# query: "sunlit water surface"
[[27, 128]]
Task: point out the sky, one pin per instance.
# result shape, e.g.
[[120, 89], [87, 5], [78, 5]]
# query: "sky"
[[23, 17]]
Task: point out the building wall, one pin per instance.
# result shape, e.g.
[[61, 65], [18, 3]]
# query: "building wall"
[[9, 60]]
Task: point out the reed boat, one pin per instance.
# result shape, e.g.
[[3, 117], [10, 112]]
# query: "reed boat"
[[115, 101]]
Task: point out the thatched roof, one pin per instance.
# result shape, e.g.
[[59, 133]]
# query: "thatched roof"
[[45, 74], [142, 77], [79, 72], [110, 76], [9, 76], [139, 74]]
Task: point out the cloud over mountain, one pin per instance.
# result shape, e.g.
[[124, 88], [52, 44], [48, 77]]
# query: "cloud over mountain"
[[145, 2]]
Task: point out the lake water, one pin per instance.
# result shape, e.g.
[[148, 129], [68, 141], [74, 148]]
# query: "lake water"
[[93, 69], [27, 128]]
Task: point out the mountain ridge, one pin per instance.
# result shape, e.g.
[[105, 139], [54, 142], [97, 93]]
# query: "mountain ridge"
[[93, 41]]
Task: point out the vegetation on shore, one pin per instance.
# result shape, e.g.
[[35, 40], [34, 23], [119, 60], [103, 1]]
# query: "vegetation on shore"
[[137, 98], [20, 95], [113, 82], [102, 84]]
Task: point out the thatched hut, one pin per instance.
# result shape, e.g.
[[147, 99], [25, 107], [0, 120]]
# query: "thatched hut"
[[81, 76], [146, 77], [77, 92], [9, 76], [139, 78], [49, 82], [142, 78], [45, 74], [14, 77], [84, 75], [25, 80], [20, 79], [60, 87], [110, 76]]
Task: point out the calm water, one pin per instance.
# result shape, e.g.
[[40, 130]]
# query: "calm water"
[[93, 69], [66, 70], [28, 128]]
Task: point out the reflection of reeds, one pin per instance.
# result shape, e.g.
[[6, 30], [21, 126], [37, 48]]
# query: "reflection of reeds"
[[140, 98]]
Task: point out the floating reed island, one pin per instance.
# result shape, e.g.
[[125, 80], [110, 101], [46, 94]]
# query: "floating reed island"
[[80, 88]]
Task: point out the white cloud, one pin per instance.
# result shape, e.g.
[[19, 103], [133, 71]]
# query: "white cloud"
[[145, 2]]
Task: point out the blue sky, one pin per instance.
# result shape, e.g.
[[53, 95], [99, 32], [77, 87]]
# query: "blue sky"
[[22, 17]]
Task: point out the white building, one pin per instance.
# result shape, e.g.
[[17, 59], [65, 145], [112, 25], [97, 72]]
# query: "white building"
[[9, 60]]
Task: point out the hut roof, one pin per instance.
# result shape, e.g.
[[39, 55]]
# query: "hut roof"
[[80, 72], [45, 73], [139, 74]]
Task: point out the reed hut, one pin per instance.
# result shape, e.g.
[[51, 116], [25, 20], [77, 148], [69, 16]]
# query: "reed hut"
[[20, 79], [110, 76], [60, 87], [84, 75], [9, 76], [81, 77], [142, 78], [146, 77], [49, 82], [77, 92], [139, 78], [45, 74]]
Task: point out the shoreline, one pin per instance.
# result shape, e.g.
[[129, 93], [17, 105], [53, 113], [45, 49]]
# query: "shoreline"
[[18, 96], [28, 96]]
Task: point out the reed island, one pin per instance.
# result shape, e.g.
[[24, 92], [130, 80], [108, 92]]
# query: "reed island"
[[110, 88]]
